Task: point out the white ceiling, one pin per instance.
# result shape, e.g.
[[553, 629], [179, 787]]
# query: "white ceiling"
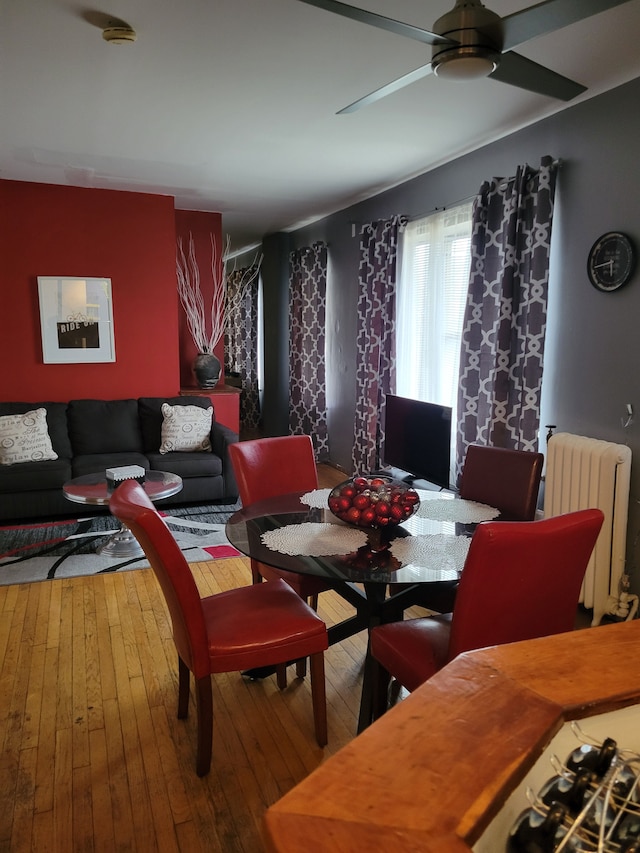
[[229, 105]]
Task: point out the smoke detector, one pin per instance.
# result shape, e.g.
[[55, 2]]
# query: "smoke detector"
[[119, 34]]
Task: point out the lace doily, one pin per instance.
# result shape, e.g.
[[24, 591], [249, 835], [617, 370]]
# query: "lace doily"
[[314, 539], [431, 507], [447, 552], [318, 498], [444, 509]]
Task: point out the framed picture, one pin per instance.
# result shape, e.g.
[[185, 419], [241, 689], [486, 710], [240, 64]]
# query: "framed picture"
[[76, 320]]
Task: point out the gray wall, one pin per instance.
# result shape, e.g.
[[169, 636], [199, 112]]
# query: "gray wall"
[[592, 349]]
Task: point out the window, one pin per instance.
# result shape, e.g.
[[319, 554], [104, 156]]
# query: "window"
[[431, 297]]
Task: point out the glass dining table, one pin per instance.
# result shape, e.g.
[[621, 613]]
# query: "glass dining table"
[[298, 533]]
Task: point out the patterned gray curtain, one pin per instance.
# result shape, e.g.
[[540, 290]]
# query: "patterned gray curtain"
[[307, 335], [375, 343], [502, 350], [240, 340]]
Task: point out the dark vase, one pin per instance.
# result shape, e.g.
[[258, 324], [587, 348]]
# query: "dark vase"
[[206, 368]]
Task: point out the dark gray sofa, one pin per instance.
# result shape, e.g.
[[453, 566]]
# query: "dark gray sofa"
[[92, 435]]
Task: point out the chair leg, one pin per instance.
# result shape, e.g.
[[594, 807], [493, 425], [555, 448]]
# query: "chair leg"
[[256, 577], [319, 697], [204, 704], [281, 675], [183, 689], [301, 665], [394, 692], [379, 690]]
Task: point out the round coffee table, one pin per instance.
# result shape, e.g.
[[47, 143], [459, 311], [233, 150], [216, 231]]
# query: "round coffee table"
[[92, 489]]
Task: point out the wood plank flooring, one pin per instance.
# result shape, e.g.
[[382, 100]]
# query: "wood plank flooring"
[[93, 756]]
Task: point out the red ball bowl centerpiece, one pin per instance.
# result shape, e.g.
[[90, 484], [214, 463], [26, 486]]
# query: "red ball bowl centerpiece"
[[373, 502]]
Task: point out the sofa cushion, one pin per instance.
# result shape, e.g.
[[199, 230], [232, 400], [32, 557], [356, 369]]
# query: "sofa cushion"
[[25, 438], [187, 465], [33, 477], [104, 426], [185, 429], [97, 463], [150, 411], [56, 423]]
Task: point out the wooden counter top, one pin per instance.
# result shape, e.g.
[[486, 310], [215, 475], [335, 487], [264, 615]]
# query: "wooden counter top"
[[431, 774]]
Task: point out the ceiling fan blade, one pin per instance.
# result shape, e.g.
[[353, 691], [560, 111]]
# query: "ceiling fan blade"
[[416, 33], [519, 71], [549, 16], [400, 83]]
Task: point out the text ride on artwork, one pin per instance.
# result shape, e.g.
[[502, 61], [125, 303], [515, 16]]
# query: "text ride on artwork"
[[76, 320]]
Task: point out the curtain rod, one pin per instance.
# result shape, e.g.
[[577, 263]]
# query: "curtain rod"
[[557, 162], [457, 203], [412, 217]]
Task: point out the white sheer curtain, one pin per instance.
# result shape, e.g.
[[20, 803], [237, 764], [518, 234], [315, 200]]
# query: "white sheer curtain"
[[434, 279]]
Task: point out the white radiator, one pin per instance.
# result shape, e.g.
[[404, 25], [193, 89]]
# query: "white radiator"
[[586, 472]]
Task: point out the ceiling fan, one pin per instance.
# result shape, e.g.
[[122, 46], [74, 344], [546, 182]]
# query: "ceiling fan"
[[471, 41]]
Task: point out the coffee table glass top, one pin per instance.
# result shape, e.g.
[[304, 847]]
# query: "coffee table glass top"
[[92, 488]]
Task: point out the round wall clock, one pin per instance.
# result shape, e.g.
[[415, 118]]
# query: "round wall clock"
[[612, 260]]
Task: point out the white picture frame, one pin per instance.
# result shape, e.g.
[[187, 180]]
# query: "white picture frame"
[[76, 320]]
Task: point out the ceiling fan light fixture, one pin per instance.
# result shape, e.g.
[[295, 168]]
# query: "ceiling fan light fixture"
[[465, 63], [478, 33]]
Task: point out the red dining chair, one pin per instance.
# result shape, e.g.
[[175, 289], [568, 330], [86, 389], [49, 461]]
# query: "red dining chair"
[[269, 467], [266, 468], [520, 580], [508, 480], [243, 628]]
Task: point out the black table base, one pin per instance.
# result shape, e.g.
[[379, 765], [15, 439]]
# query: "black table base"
[[373, 607]]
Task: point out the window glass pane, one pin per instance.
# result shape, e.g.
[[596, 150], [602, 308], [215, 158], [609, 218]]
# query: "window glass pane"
[[432, 291]]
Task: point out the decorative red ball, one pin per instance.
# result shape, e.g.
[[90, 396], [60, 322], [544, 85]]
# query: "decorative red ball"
[[373, 502]]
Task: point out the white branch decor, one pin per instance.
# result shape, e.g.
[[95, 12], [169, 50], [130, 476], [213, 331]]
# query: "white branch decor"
[[188, 276], [192, 300]]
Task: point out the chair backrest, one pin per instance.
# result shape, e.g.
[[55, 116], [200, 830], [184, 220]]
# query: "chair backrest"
[[522, 580], [268, 467], [130, 505], [505, 479]]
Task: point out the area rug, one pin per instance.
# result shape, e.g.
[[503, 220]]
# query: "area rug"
[[67, 548]]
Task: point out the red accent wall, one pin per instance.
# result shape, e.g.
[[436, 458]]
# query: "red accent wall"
[[201, 226], [69, 231]]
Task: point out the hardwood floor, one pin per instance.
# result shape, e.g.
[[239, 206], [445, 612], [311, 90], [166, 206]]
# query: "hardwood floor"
[[329, 476], [93, 756]]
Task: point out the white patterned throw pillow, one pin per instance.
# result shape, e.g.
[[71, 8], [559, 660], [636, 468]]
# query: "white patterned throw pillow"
[[186, 428], [25, 438]]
